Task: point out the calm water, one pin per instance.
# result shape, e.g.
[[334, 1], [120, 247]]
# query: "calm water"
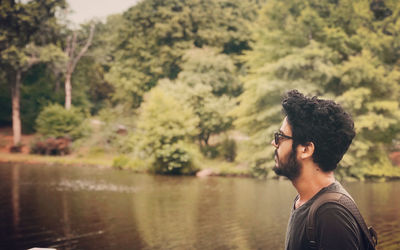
[[90, 208]]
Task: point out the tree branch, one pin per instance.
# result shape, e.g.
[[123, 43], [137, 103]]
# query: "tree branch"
[[73, 45], [84, 49]]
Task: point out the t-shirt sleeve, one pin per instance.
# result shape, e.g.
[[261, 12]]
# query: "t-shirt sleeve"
[[336, 228]]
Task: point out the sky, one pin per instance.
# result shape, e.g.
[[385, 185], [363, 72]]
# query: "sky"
[[84, 10]]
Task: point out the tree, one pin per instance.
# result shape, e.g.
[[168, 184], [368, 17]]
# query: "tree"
[[21, 61], [89, 77], [207, 84], [345, 50], [212, 111], [20, 44], [156, 34], [73, 59], [208, 67]]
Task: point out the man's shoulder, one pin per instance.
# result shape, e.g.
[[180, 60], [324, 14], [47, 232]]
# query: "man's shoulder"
[[336, 227], [331, 210], [334, 206], [333, 220]]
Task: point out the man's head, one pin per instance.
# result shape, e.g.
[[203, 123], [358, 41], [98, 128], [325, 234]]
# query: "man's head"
[[323, 124]]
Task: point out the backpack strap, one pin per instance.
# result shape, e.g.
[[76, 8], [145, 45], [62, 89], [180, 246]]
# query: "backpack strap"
[[347, 202], [310, 224], [368, 232]]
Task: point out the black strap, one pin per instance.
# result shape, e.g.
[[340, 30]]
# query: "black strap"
[[343, 199], [310, 232]]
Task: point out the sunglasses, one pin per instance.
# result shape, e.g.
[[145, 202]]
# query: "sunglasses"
[[278, 137]]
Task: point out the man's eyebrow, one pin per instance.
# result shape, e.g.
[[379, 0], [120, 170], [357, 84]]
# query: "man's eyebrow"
[[280, 131]]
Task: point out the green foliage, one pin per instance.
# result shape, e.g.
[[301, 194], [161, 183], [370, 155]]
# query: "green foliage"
[[174, 158], [228, 149], [156, 34], [27, 31], [120, 162], [128, 163], [203, 55], [37, 92], [164, 130], [206, 66], [5, 99], [111, 131], [23, 24], [212, 111], [90, 89], [55, 121], [210, 151], [206, 84], [335, 49]]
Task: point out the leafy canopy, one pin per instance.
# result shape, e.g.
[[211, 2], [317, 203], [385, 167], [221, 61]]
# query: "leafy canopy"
[[343, 50], [156, 35]]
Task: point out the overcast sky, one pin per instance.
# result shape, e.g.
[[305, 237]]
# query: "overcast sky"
[[84, 10]]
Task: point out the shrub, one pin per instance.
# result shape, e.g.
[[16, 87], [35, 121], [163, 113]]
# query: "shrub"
[[210, 151], [173, 159], [120, 162], [125, 162], [164, 129], [228, 149], [55, 121], [51, 146]]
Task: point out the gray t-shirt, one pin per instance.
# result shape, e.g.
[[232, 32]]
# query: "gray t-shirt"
[[336, 228]]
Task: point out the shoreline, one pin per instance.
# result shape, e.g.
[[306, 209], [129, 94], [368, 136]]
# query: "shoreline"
[[104, 162], [69, 160]]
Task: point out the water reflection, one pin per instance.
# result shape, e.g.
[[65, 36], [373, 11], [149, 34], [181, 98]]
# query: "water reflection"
[[88, 208], [380, 205], [15, 196]]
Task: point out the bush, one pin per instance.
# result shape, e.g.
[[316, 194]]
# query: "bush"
[[120, 162], [228, 149], [173, 159], [125, 162], [55, 121], [51, 146], [164, 130], [209, 151]]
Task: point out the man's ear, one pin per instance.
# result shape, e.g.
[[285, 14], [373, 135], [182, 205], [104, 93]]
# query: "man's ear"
[[306, 150]]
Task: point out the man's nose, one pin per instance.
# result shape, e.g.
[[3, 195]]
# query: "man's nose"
[[273, 143]]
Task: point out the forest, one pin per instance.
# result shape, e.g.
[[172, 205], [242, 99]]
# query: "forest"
[[179, 86]]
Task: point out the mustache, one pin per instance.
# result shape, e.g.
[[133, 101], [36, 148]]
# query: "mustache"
[[276, 154]]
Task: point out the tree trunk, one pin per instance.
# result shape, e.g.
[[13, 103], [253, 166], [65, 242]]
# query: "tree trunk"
[[68, 91], [16, 119]]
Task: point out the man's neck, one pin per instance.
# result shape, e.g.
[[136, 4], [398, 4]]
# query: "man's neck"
[[310, 182]]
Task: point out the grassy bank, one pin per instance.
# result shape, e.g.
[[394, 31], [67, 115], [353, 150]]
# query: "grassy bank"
[[98, 161], [217, 167]]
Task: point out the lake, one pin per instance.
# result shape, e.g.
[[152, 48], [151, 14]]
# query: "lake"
[[68, 207]]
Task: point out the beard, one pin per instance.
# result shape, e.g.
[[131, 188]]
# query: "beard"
[[290, 169]]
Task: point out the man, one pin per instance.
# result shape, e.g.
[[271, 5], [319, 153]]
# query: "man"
[[314, 136]]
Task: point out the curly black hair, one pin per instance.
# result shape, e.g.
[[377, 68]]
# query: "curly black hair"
[[322, 122]]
